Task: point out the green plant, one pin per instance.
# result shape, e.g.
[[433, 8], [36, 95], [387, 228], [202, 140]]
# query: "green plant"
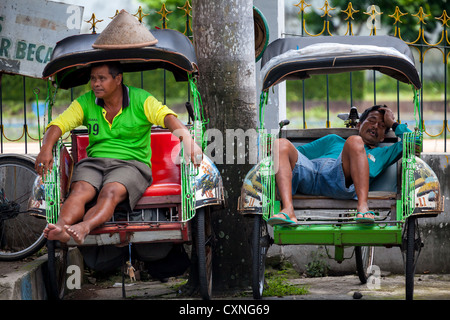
[[318, 267], [278, 284]]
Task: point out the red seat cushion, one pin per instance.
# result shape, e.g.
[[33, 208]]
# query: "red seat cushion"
[[166, 174], [163, 189]]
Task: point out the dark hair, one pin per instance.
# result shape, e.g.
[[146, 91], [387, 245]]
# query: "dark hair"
[[366, 112], [114, 67]]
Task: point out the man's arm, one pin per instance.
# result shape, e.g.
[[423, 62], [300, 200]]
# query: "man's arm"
[[44, 160], [71, 118], [180, 131]]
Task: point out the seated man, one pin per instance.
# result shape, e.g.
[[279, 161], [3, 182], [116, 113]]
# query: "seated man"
[[118, 169], [334, 167]]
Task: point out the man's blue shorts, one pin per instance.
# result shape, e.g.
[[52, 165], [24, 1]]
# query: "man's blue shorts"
[[321, 177]]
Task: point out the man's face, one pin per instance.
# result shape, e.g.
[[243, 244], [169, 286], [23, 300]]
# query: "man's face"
[[102, 83], [372, 130]]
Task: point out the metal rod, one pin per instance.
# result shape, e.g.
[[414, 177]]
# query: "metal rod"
[[25, 112], [308, 223], [1, 113]]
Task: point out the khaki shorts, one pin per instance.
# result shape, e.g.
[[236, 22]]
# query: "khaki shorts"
[[134, 175]]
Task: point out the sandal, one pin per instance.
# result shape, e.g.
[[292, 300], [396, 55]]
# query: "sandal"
[[365, 219], [277, 221]]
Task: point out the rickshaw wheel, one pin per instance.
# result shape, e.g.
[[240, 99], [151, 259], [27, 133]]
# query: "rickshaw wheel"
[[260, 244], [413, 244], [204, 252], [364, 262], [20, 227], [56, 270]]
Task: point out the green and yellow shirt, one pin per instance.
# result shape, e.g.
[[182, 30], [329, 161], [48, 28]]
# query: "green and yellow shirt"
[[127, 137]]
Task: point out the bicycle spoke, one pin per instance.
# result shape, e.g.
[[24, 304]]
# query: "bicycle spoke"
[[20, 230]]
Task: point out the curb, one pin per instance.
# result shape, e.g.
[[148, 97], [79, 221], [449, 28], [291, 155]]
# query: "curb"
[[29, 281]]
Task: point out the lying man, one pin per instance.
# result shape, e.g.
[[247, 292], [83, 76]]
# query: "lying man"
[[334, 167], [117, 170]]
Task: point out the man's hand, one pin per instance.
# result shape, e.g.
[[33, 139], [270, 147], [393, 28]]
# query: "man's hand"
[[192, 150], [389, 117], [44, 160]]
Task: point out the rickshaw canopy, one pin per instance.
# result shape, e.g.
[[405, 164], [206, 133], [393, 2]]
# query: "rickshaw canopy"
[[72, 57], [301, 57]]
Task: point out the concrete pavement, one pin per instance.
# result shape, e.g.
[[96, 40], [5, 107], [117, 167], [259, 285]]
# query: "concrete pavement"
[[24, 280], [348, 287]]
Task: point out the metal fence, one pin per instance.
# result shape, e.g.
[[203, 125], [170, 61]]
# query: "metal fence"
[[429, 55], [350, 17], [22, 123]]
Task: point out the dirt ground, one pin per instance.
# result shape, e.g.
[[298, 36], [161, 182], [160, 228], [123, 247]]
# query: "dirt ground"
[[348, 287]]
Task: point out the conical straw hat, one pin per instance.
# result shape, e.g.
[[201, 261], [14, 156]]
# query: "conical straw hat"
[[124, 32]]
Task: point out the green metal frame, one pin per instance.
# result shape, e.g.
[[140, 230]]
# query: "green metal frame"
[[340, 235], [52, 187], [265, 158], [188, 170]]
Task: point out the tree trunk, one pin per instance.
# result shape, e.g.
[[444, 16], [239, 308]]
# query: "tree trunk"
[[224, 44]]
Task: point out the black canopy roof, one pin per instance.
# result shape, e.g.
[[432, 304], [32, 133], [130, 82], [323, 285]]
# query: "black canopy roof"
[[287, 58], [73, 56]]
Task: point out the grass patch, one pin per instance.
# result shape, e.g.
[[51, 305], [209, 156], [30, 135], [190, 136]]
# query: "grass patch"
[[278, 285]]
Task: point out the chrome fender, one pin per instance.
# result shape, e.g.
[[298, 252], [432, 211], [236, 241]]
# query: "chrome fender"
[[427, 190], [250, 201], [208, 185]]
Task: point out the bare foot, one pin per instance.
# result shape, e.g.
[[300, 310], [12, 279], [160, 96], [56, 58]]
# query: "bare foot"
[[78, 232], [55, 232]]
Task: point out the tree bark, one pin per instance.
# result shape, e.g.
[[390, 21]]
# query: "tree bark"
[[224, 42]]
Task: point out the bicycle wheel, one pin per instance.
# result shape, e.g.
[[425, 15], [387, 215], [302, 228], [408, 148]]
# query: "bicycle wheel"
[[260, 245], [364, 262], [21, 226], [204, 252]]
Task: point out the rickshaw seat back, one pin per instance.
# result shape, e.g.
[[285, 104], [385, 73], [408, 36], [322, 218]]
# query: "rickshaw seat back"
[[80, 141], [166, 172]]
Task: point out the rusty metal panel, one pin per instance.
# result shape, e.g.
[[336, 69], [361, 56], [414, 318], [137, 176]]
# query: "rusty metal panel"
[[29, 30]]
